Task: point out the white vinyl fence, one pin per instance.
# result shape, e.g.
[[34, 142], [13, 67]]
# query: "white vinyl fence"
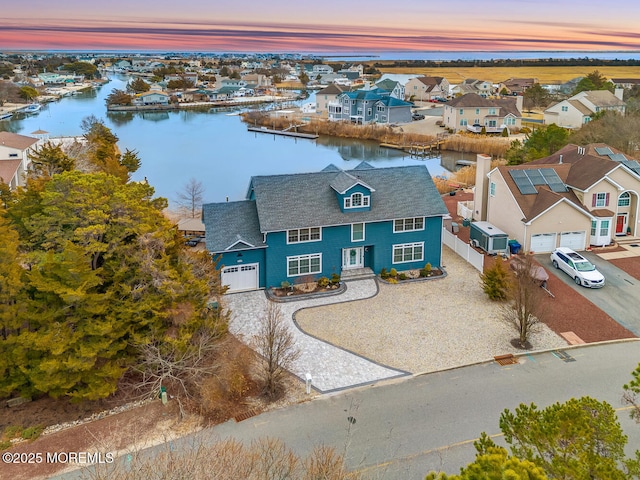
[[465, 209], [463, 249]]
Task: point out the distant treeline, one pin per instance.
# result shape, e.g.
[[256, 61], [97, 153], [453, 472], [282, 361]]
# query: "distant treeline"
[[512, 62]]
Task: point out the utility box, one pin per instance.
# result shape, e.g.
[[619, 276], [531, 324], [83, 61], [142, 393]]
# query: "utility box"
[[487, 237]]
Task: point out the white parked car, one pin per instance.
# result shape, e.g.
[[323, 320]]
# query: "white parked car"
[[577, 267]]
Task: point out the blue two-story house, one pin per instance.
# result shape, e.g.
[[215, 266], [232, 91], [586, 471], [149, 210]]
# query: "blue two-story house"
[[318, 224], [371, 106]]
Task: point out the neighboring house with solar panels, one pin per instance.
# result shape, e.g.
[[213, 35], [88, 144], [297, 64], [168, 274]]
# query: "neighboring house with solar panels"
[[577, 197], [312, 225], [580, 109]]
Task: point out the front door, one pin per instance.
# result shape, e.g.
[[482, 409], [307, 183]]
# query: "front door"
[[621, 224], [353, 257]]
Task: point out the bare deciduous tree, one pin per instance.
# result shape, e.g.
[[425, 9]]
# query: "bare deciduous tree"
[[526, 298], [181, 368], [190, 197], [274, 342]]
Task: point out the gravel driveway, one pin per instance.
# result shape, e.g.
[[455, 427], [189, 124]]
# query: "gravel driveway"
[[423, 326]]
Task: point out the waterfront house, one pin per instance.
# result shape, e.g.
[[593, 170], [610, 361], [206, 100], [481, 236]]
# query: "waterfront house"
[[577, 197], [580, 109], [309, 225], [471, 112], [151, 98], [327, 98], [14, 157], [371, 106]]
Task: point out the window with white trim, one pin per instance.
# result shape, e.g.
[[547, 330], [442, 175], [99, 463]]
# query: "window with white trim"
[[565, 108], [408, 224], [601, 199], [304, 264], [463, 122], [604, 228], [357, 232], [301, 235], [492, 189], [509, 121], [380, 108], [594, 226], [624, 200], [408, 252], [492, 111], [462, 111], [356, 200]]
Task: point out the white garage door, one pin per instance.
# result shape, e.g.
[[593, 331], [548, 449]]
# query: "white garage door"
[[543, 242], [573, 240], [240, 277]]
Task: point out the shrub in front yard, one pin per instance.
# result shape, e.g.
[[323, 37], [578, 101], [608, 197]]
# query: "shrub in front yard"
[[495, 281]]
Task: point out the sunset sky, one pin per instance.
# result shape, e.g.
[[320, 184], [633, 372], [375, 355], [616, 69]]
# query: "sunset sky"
[[321, 26]]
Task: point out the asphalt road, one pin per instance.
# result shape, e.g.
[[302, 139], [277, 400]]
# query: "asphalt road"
[[618, 298], [407, 427]]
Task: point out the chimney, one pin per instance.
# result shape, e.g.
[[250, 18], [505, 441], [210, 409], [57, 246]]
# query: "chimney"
[[519, 103], [483, 166]]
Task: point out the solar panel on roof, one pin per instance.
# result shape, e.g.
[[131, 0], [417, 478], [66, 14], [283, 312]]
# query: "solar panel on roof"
[[518, 174], [603, 151], [522, 182], [618, 157], [535, 176], [550, 175], [558, 187]]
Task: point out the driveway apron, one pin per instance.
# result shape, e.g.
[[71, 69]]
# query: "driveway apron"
[[618, 298]]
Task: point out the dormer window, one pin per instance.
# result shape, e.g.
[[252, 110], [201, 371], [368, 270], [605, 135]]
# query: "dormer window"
[[356, 200]]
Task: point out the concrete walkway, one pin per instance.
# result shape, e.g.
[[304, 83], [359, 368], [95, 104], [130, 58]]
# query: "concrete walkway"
[[331, 367]]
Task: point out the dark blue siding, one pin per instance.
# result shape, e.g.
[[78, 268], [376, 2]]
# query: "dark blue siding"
[[378, 242]]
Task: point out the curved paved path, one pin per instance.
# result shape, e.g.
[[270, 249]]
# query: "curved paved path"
[[331, 367]]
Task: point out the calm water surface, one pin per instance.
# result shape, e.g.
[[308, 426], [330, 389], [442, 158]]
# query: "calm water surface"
[[212, 147]]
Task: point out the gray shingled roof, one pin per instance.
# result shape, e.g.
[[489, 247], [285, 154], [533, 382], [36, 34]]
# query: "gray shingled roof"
[[307, 199], [230, 222], [343, 181]]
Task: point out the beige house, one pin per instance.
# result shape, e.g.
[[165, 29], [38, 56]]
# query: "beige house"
[[327, 103], [580, 109], [423, 89], [471, 112], [14, 158], [517, 86], [473, 85], [577, 197]]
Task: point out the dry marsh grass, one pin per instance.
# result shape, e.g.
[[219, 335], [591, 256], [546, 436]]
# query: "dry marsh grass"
[[545, 75]]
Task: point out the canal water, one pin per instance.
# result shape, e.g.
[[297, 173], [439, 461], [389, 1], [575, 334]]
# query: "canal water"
[[213, 147]]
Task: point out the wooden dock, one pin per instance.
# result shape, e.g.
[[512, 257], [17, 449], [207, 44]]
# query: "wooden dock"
[[310, 136], [416, 149]]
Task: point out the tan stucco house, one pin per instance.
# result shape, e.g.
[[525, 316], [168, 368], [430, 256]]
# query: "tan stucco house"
[[580, 109], [577, 197], [423, 89], [471, 112]]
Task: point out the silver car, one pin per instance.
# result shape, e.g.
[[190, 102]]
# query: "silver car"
[[577, 267]]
